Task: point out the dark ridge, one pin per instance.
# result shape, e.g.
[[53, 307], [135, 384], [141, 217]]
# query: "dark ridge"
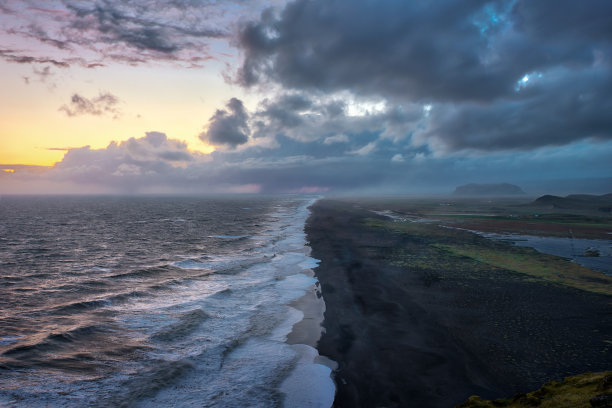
[[601, 203]]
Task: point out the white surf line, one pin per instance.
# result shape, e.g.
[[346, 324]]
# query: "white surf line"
[[310, 384]]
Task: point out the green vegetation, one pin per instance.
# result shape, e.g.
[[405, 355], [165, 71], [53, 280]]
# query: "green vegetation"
[[434, 250], [564, 219], [530, 262], [573, 392], [504, 215]]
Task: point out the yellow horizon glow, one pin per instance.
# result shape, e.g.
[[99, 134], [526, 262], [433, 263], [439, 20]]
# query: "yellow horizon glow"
[[20, 143], [177, 102]]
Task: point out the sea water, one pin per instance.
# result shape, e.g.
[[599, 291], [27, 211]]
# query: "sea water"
[[116, 301]]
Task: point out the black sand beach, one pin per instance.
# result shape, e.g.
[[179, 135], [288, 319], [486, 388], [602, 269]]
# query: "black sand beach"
[[407, 335]]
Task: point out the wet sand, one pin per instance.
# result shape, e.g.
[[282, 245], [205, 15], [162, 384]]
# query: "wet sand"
[[404, 341], [308, 330], [309, 384]]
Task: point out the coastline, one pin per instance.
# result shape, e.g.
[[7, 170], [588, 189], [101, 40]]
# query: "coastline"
[[310, 382], [308, 330], [401, 339]]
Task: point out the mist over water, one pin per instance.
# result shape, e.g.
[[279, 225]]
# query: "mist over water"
[[109, 301]]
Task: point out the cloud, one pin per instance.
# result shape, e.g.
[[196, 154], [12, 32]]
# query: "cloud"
[[319, 45], [559, 109], [135, 164], [398, 158], [488, 76], [155, 163], [136, 26], [336, 139], [365, 150], [156, 146], [42, 75], [103, 104], [13, 56], [335, 120], [134, 32], [450, 50], [228, 127]]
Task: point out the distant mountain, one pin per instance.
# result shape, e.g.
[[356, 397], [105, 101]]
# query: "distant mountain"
[[576, 202], [488, 190]]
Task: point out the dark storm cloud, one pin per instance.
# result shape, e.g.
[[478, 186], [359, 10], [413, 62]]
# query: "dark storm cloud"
[[476, 63], [286, 110], [283, 112], [334, 122], [451, 50], [564, 108], [134, 32], [388, 48], [103, 104], [228, 127], [569, 21], [35, 31], [119, 23]]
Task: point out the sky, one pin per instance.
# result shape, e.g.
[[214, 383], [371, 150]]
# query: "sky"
[[304, 96]]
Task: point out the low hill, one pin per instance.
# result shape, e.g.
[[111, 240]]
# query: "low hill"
[[488, 190], [601, 203]]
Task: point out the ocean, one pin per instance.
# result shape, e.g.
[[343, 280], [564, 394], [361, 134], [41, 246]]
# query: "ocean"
[[155, 301]]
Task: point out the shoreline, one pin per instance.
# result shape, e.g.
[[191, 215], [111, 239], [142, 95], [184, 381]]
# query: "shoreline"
[[309, 330], [406, 335], [310, 382]]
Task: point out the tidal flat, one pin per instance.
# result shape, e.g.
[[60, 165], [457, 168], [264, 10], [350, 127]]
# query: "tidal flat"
[[421, 312]]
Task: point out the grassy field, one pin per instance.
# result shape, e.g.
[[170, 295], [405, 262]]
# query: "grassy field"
[[516, 216], [442, 249], [536, 265]]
